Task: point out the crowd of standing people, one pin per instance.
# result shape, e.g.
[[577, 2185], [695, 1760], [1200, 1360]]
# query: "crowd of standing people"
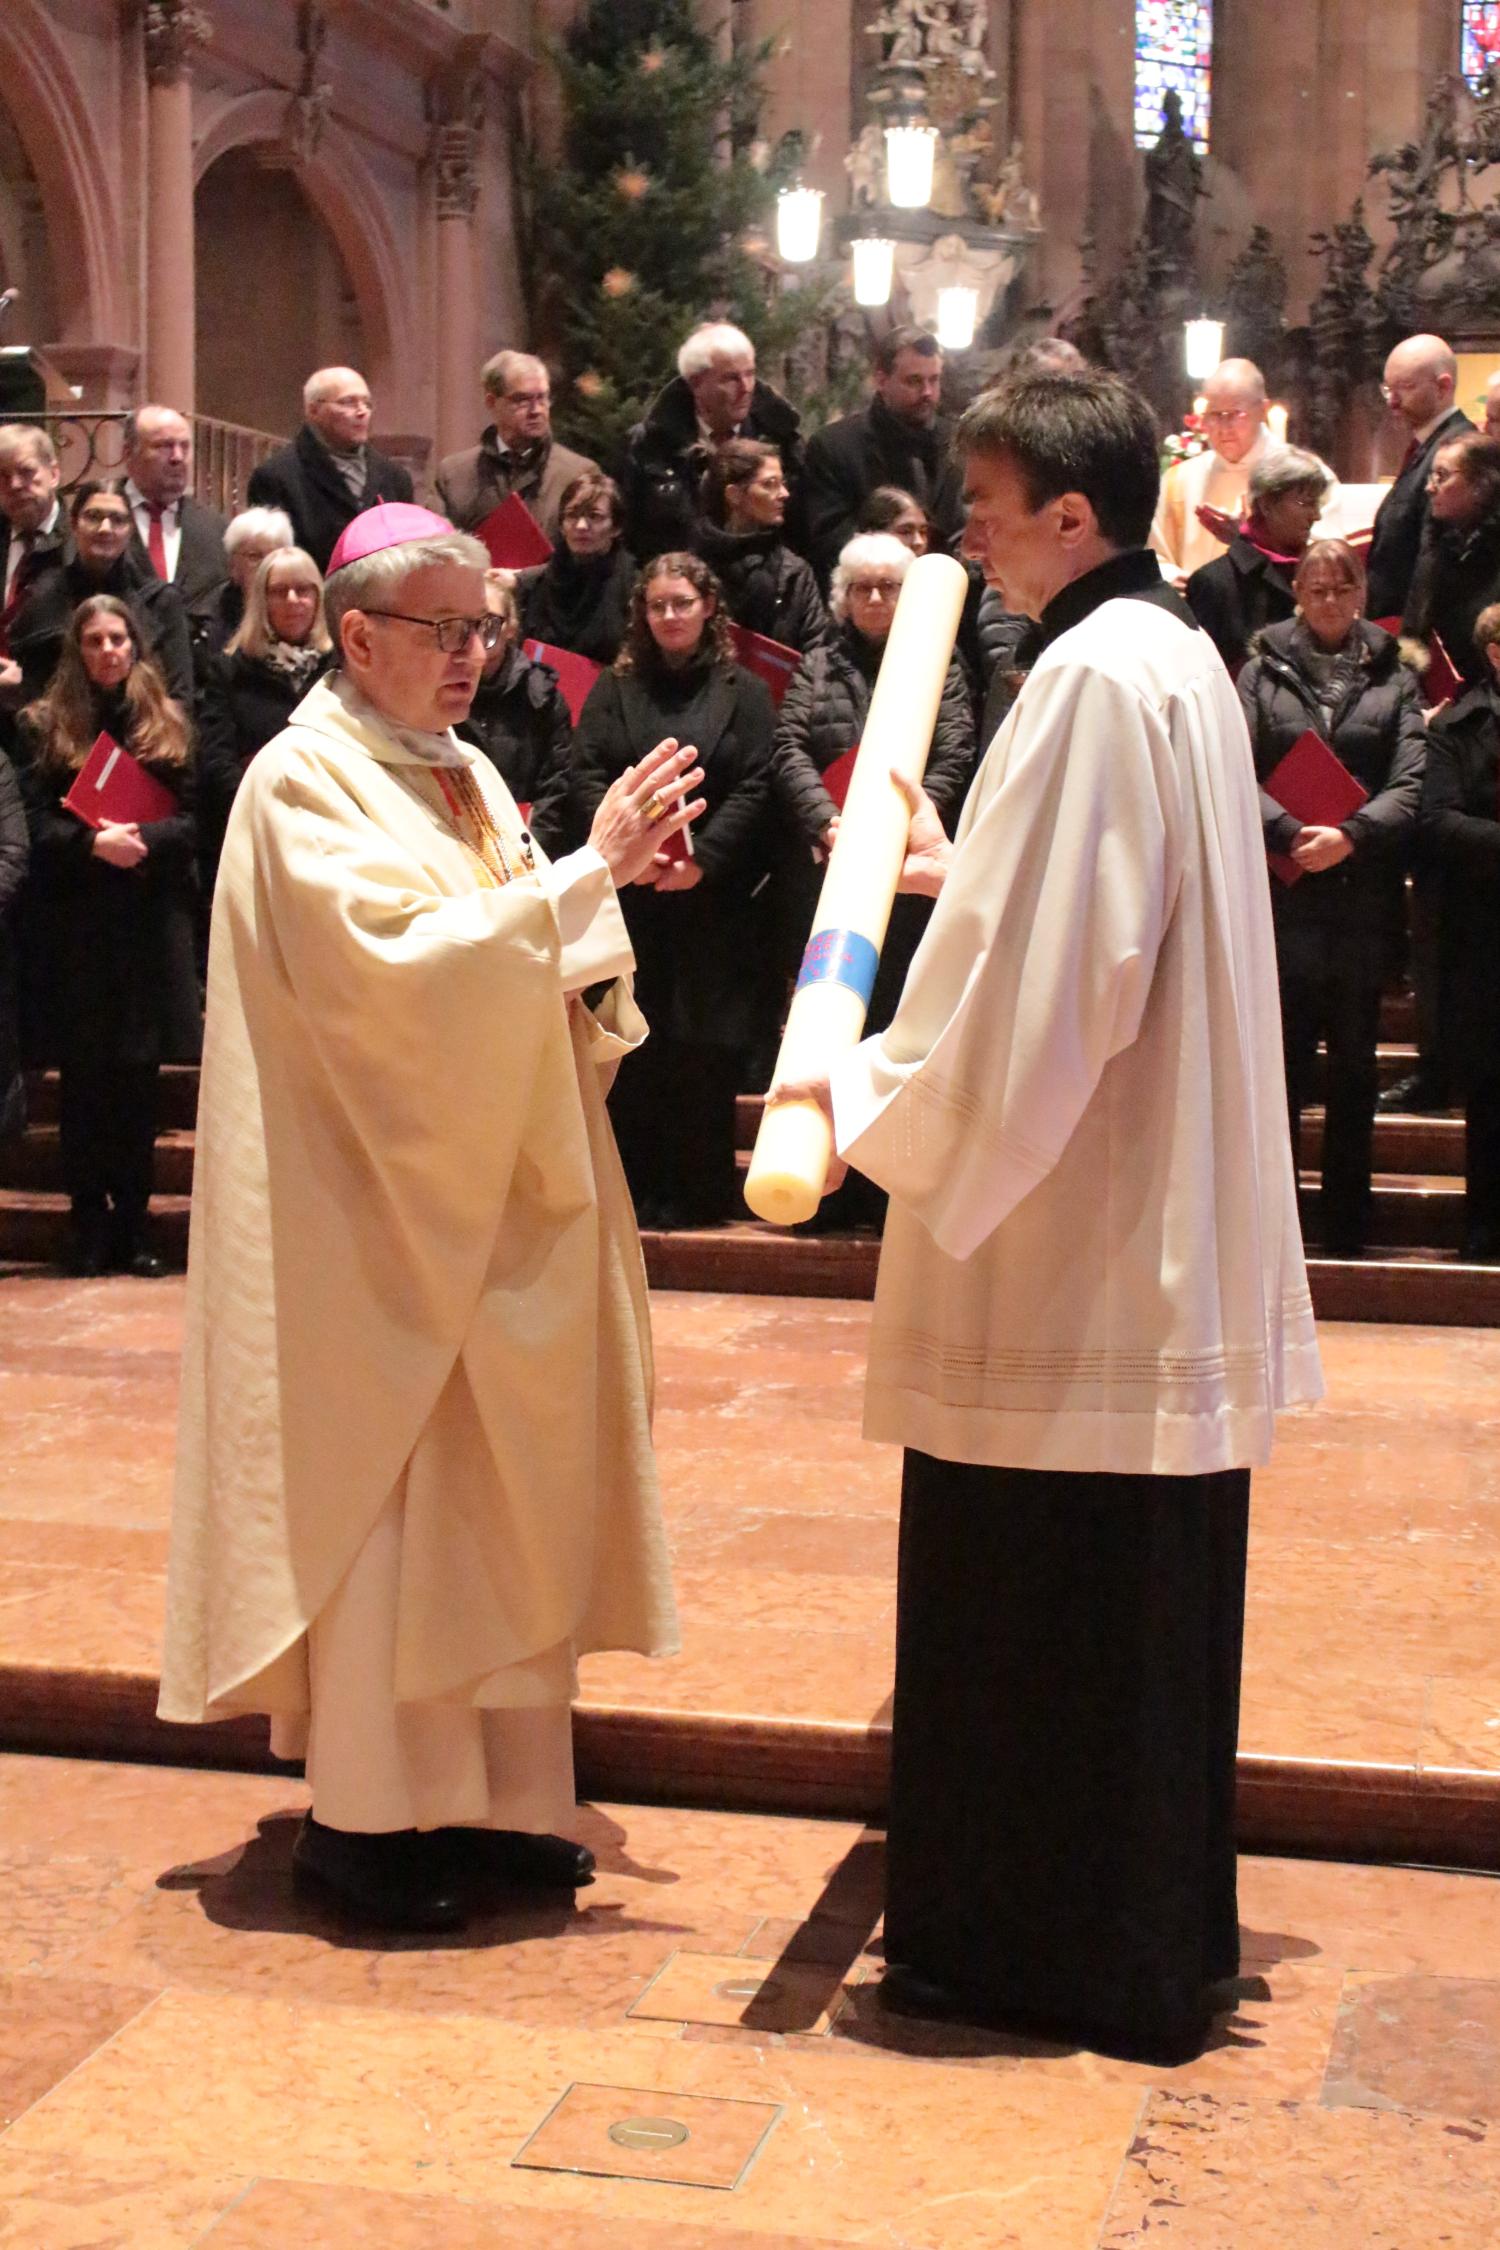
[[128, 609]]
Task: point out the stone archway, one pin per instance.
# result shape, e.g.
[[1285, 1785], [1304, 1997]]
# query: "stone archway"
[[337, 185], [54, 127]]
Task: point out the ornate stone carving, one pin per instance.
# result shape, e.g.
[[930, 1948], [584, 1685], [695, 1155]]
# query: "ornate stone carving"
[[1344, 323], [308, 110], [935, 31], [174, 31], [457, 112], [1255, 293]]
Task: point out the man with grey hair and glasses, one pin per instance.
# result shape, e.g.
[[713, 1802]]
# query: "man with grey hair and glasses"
[[1216, 480], [330, 473], [415, 1481], [516, 453]]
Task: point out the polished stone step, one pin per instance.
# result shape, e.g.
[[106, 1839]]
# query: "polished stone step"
[[35, 1161]]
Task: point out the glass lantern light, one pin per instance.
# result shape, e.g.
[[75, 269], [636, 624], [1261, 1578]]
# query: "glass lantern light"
[[957, 317], [910, 151], [1202, 347], [874, 269], [799, 224]]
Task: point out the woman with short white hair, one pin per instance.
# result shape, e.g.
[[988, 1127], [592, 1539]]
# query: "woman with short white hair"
[[248, 538]]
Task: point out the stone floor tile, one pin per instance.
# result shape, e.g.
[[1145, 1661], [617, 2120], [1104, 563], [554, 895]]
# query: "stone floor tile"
[[1429, 2044], [48, 2026], [276, 2213]]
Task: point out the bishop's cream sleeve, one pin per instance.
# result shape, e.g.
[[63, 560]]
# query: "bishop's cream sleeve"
[[595, 944], [1035, 968]]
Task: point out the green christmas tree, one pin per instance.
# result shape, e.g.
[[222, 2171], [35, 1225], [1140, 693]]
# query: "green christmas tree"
[[639, 231]]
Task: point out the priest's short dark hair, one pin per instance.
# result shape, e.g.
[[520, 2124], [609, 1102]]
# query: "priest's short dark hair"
[[1089, 433]]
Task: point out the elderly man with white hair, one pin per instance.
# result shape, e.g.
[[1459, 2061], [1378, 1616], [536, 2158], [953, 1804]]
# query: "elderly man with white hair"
[[415, 1480], [714, 396], [516, 453], [33, 532], [1218, 479], [330, 473]]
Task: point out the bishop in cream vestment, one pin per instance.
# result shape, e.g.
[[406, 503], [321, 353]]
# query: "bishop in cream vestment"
[[417, 1325]]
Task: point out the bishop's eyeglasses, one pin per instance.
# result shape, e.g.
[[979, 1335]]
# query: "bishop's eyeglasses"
[[453, 634]]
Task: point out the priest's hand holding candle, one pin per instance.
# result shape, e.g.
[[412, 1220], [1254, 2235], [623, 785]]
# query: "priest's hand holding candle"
[[886, 814]]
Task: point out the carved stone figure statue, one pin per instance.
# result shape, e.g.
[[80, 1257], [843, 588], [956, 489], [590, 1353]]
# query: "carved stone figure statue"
[[918, 31], [1174, 184], [865, 165]]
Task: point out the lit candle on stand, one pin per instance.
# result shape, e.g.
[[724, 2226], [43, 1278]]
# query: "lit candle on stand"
[[1276, 419]]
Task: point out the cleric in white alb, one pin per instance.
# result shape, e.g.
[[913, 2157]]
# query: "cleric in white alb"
[[1092, 1295]]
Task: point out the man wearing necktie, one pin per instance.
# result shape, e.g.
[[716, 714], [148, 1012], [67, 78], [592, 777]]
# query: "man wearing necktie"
[[30, 531], [182, 540], [1420, 378]]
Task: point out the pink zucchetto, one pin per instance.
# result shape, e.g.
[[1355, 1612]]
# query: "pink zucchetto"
[[390, 524]]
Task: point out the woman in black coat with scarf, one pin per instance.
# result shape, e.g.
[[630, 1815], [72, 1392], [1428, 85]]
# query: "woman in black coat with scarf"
[[519, 719], [248, 694], [700, 932], [1461, 835], [1330, 672], [108, 932], [97, 560], [1458, 566], [580, 600], [767, 588]]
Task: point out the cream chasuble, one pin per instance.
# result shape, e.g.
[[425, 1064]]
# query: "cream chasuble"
[[1092, 1260], [414, 1265], [1206, 480]]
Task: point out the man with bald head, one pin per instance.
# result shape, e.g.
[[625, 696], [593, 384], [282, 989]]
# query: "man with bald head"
[[175, 536], [1420, 378], [516, 453], [1234, 419], [330, 473]]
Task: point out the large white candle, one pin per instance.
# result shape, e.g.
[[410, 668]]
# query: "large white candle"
[[794, 1146]]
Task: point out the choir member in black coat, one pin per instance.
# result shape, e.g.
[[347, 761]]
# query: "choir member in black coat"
[[1421, 375], [580, 600], [1461, 833], [98, 560], [1331, 672], [703, 972], [248, 538], [15, 851], [250, 692], [767, 588], [109, 923], [899, 438], [1249, 587], [1458, 568], [330, 473], [519, 719]]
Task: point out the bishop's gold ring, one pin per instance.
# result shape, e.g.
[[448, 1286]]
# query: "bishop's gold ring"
[[654, 809]]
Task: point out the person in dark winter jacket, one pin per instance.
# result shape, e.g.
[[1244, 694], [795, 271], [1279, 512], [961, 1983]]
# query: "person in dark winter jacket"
[[519, 719], [699, 929], [1458, 565], [1461, 834], [251, 691], [330, 473], [714, 396], [110, 972], [767, 588], [899, 438], [248, 538], [15, 851], [1250, 587], [1331, 672], [97, 560], [580, 599]]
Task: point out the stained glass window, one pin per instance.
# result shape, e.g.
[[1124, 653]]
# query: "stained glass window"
[[1174, 49], [1481, 51]]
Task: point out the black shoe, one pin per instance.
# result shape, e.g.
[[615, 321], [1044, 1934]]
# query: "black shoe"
[[1344, 1246], [399, 1881], [518, 1860], [1481, 1247], [87, 1254], [1416, 1095], [145, 1265]]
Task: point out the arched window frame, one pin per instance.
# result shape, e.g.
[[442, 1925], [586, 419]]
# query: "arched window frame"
[[1174, 48]]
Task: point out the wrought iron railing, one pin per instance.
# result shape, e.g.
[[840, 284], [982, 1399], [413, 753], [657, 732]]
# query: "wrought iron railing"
[[92, 444]]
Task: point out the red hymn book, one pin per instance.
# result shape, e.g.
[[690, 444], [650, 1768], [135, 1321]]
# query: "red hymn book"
[[115, 789], [1316, 788]]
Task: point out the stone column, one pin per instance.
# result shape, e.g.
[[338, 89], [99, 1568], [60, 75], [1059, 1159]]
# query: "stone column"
[[457, 136], [174, 29]]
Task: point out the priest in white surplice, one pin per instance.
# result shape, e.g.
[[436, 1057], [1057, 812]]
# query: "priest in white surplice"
[[1092, 1297], [415, 1478]]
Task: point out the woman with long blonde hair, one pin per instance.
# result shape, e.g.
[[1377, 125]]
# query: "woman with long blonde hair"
[[111, 980], [249, 693]]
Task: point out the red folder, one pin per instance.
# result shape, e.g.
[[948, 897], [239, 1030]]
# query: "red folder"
[[515, 539], [575, 674], [1316, 788], [770, 661], [114, 788], [837, 777]]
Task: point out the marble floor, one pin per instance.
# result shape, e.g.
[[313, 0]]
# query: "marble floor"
[[1374, 1600], [188, 2055]]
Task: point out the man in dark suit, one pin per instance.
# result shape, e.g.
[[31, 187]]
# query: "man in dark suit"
[[32, 532], [1420, 377], [897, 439], [174, 536], [330, 473]]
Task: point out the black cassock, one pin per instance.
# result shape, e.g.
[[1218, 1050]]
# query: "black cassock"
[[1061, 1831]]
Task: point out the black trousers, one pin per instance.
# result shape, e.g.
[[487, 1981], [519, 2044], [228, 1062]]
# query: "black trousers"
[[1061, 1838], [107, 1116], [1482, 1158], [1331, 991], [672, 1107]]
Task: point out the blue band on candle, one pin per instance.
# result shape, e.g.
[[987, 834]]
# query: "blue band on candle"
[[841, 957]]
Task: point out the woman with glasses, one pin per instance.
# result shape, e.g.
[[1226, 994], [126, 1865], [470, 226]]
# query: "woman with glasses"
[[580, 600], [250, 692], [1250, 586], [1458, 566], [767, 588], [97, 560], [519, 719], [699, 925], [111, 973]]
